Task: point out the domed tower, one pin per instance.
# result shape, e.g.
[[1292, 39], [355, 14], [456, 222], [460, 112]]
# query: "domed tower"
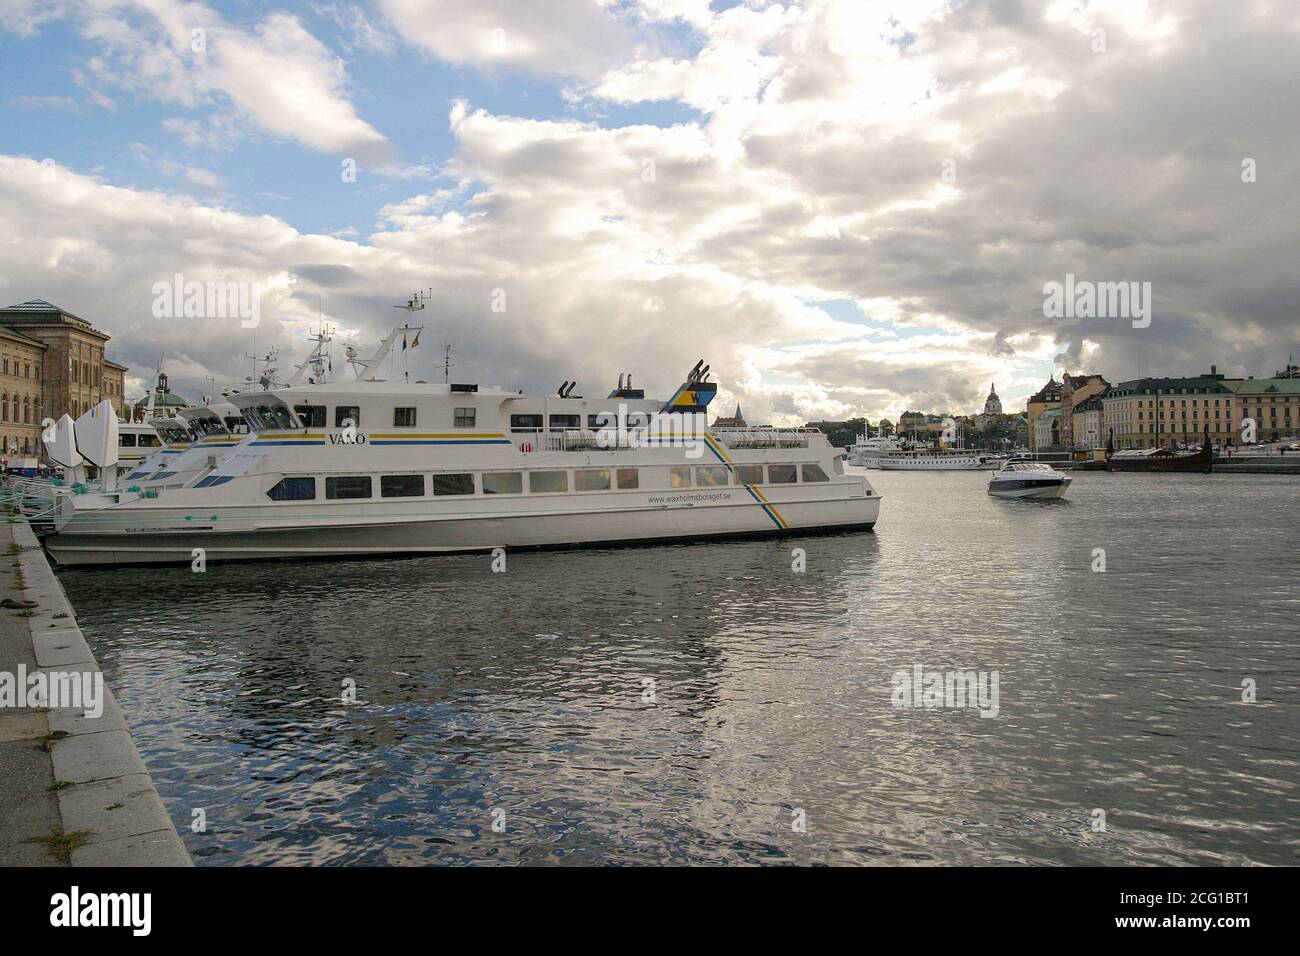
[[992, 404]]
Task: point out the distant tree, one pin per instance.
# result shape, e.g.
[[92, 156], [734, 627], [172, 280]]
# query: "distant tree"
[[843, 434]]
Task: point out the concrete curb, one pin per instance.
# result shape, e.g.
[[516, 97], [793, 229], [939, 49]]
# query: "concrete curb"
[[110, 795]]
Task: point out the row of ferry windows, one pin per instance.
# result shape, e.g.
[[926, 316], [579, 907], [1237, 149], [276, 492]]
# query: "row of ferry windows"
[[313, 416], [540, 482], [265, 418]]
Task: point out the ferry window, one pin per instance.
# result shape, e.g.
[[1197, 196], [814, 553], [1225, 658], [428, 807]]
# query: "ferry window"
[[629, 478], [348, 486], [293, 489], [126, 441], [566, 421], [781, 474], [401, 486], [591, 479], [525, 421], [679, 477], [502, 483], [814, 472], [465, 417], [312, 416], [546, 481], [149, 441], [236, 426], [602, 420], [345, 415], [749, 474], [276, 416], [454, 485], [710, 476], [403, 417], [638, 419]]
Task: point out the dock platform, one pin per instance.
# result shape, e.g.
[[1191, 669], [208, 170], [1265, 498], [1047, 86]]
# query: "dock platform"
[[73, 789]]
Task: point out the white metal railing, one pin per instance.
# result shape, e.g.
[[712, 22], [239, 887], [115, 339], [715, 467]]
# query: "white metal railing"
[[529, 440], [764, 437]]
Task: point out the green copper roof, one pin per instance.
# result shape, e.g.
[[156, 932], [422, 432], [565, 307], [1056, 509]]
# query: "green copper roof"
[[1267, 386]]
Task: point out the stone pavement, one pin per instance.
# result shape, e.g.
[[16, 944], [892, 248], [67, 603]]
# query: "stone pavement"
[[73, 788]]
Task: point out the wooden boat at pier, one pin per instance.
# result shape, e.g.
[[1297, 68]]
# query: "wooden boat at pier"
[[1163, 460]]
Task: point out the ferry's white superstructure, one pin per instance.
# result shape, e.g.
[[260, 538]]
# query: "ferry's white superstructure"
[[370, 468]]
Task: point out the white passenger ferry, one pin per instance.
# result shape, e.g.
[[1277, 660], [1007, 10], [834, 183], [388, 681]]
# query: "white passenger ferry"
[[939, 460], [381, 468]]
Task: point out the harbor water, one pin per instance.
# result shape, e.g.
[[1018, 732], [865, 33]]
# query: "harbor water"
[[711, 703]]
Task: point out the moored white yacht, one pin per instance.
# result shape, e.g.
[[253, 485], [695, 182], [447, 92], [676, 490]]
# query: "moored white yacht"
[[868, 451], [376, 468]]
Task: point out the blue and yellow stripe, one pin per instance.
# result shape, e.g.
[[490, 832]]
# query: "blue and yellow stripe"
[[758, 496]]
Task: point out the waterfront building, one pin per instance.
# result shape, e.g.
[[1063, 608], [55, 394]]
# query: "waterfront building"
[[735, 421], [1273, 403], [73, 373], [1153, 412], [20, 392], [1063, 397], [1047, 429], [1086, 425], [1042, 401], [166, 403]]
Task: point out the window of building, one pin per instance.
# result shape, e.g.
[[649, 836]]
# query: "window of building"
[[453, 484], [464, 417], [679, 477], [293, 489], [312, 416], [503, 483], [548, 481], [401, 486], [348, 486], [527, 422], [749, 474], [345, 415], [629, 478], [781, 474], [814, 472], [403, 417], [591, 479]]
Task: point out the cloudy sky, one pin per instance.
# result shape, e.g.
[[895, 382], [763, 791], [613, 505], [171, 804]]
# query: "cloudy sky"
[[845, 206]]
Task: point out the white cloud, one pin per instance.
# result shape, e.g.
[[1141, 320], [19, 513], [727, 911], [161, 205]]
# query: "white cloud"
[[277, 75]]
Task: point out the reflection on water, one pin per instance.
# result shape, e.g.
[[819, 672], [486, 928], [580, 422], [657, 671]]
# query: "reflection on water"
[[683, 704]]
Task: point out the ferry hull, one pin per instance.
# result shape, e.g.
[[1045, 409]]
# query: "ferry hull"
[[440, 535]]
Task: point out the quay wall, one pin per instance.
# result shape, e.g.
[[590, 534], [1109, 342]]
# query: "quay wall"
[[100, 805]]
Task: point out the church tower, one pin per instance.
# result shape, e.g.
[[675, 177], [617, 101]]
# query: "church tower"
[[992, 404]]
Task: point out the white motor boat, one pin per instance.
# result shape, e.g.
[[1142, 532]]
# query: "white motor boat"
[[1028, 479]]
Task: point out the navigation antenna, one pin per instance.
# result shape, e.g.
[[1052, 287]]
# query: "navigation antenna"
[[447, 363], [414, 304]]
